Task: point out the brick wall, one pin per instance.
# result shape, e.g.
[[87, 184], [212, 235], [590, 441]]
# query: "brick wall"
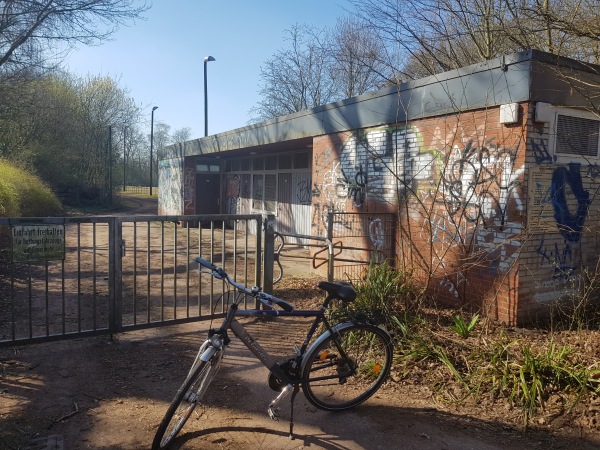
[[456, 183]]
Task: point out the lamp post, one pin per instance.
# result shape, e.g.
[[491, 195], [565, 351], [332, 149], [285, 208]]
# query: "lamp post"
[[154, 108], [124, 157], [206, 60]]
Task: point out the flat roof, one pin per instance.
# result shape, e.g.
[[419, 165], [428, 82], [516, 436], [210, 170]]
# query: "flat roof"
[[505, 79]]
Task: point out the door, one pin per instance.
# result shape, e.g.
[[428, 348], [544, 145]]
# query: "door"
[[208, 193]]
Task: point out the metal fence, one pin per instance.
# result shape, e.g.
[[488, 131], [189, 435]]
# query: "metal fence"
[[138, 189], [79, 276], [357, 239]]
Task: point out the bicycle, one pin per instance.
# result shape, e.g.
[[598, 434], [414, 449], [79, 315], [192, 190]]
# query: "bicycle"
[[341, 368]]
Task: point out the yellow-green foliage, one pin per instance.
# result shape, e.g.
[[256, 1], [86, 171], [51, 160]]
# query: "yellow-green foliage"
[[24, 195]]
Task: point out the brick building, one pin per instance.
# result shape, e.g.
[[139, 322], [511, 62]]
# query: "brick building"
[[490, 171]]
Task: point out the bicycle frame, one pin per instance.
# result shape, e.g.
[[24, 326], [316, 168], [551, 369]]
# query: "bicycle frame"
[[268, 360]]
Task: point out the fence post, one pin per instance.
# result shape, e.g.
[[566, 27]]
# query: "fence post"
[[330, 265], [115, 267], [269, 253]]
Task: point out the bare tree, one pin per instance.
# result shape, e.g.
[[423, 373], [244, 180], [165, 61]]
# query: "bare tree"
[[297, 78], [439, 35], [181, 135], [358, 58], [29, 29]]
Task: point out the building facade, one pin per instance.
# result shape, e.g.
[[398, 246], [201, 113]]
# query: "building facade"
[[490, 171]]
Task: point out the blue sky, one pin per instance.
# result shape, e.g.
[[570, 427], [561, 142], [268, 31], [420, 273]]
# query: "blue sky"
[[160, 60]]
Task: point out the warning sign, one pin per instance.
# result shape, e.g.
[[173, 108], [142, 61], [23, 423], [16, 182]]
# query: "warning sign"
[[38, 242]]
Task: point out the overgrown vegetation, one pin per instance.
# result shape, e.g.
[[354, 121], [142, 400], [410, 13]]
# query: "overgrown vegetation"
[[485, 364], [24, 195]]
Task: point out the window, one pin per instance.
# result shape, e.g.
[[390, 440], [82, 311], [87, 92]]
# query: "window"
[[577, 135], [258, 163], [205, 167], [270, 163], [285, 162], [270, 193], [301, 161], [257, 191]]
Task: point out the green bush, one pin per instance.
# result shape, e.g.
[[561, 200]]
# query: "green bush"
[[24, 195], [382, 297]]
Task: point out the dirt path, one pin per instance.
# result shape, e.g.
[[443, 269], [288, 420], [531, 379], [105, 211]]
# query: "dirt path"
[[111, 394]]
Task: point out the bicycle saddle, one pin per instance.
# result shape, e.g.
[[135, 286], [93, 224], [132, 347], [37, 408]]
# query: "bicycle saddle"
[[342, 290]]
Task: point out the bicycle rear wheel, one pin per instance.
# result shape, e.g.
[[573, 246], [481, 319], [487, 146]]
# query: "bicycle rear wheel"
[[347, 367], [187, 398]]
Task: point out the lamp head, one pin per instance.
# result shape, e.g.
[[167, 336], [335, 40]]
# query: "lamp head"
[[154, 108], [209, 58]]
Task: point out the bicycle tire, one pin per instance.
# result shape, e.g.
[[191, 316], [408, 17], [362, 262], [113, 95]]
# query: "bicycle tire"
[[369, 349], [187, 398]]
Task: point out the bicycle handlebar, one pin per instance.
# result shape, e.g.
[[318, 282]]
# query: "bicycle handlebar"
[[267, 299]]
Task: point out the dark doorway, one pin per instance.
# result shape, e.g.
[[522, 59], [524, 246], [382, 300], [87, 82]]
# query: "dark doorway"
[[208, 193]]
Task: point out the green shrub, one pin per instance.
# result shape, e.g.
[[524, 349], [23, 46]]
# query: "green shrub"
[[24, 195], [383, 297]]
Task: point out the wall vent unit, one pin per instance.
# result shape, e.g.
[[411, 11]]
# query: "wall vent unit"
[[577, 136]]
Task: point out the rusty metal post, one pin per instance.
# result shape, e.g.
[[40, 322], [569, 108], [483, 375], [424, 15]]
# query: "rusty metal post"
[[330, 265], [269, 252]]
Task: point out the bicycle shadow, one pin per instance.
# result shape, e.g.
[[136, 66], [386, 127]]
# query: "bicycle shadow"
[[298, 440], [374, 427]]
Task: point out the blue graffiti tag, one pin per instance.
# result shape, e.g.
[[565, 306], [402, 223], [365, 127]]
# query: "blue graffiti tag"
[[570, 225], [541, 153]]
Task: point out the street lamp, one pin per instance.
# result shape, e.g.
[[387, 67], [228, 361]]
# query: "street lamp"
[[151, 144], [206, 60]]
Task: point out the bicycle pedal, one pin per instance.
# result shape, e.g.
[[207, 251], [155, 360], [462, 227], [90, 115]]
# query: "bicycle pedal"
[[274, 413]]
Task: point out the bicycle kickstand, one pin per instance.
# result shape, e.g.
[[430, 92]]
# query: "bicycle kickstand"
[[294, 393]]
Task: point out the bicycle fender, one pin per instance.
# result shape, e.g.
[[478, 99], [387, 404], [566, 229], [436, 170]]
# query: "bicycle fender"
[[320, 339]]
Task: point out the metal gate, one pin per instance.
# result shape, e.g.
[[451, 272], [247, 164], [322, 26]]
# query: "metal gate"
[[357, 239], [81, 276]]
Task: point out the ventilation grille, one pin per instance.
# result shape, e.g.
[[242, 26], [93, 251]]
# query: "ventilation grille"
[[577, 136]]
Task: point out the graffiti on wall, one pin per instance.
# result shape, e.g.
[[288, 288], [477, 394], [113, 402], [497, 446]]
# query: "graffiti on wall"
[[189, 189], [366, 166], [170, 186], [564, 181]]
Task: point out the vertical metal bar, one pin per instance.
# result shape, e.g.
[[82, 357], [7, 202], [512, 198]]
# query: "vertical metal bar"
[[94, 274], [63, 300], [115, 279], [162, 270], [148, 272], [30, 305], [174, 270], [199, 269], [330, 265], [235, 254], [257, 257], [246, 234], [187, 271], [134, 270], [269, 253], [12, 300], [246, 244], [78, 276], [212, 283], [47, 298], [223, 262]]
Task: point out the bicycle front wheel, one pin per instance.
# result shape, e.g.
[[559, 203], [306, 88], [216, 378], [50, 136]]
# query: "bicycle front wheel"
[[347, 367], [187, 398]]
